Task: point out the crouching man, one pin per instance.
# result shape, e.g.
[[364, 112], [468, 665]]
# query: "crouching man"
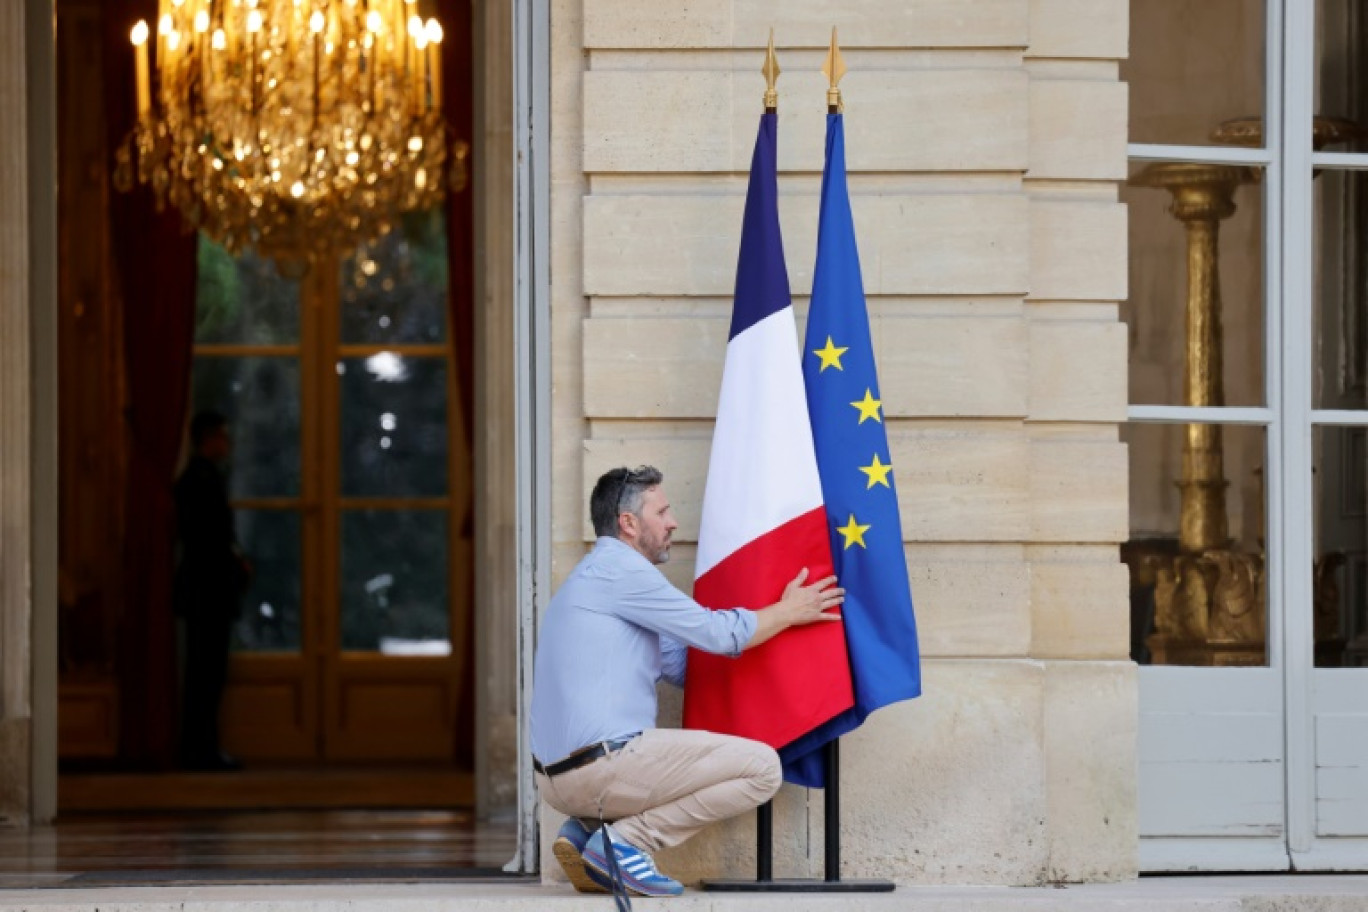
[[611, 632]]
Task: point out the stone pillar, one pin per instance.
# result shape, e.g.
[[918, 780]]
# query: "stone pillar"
[[16, 568], [496, 582], [28, 415]]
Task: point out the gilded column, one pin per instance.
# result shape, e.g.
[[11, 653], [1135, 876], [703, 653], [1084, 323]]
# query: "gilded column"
[[1203, 195]]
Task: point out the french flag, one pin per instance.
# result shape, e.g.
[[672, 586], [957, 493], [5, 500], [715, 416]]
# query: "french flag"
[[763, 514]]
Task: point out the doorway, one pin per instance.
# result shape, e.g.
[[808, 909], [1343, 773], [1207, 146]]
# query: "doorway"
[[1247, 304], [349, 388]]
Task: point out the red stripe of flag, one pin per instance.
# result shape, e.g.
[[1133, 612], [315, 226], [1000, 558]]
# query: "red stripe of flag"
[[761, 694]]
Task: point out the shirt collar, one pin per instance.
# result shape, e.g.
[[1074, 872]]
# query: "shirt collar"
[[619, 549]]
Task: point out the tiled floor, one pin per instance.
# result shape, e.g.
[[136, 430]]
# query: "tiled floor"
[[260, 846]]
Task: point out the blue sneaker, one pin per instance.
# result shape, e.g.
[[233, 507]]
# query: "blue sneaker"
[[638, 870], [568, 849]]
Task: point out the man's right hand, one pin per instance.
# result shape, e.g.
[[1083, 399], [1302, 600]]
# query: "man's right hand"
[[799, 605]]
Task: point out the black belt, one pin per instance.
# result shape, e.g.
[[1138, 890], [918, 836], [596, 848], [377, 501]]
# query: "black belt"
[[581, 757]]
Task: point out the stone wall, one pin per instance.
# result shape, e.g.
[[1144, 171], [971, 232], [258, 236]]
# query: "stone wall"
[[985, 141]]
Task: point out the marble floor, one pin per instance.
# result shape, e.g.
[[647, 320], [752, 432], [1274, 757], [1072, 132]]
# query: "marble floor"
[[255, 847]]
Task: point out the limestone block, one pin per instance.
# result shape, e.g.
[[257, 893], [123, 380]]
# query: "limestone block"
[[1091, 713], [1078, 250], [685, 243], [805, 23], [970, 600], [1079, 490], [1078, 370], [948, 788], [1079, 28], [954, 484], [1080, 603], [900, 120], [1078, 130], [928, 366]]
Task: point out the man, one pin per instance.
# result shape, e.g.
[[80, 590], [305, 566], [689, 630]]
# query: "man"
[[611, 632], [211, 579]]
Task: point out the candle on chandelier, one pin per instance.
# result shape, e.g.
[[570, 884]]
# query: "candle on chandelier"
[[143, 72], [434, 38], [418, 36], [254, 24], [316, 24], [164, 29], [202, 48]]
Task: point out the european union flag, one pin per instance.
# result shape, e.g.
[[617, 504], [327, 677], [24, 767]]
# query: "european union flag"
[[846, 410]]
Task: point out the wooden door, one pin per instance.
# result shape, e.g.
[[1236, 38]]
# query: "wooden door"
[[351, 485]]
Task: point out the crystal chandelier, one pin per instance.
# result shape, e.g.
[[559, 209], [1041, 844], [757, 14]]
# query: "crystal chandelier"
[[298, 127]]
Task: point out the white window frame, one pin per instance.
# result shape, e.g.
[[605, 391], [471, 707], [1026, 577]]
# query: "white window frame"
[[532, 398], [1287, 415]]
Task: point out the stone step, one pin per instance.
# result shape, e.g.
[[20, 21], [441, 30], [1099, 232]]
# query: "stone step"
[[1276, 893]]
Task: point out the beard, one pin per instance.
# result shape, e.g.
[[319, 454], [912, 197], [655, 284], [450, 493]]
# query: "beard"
[[656, 549]]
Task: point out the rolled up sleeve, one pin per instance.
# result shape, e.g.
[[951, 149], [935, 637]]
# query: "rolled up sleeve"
[[656, 605], [674, 660]]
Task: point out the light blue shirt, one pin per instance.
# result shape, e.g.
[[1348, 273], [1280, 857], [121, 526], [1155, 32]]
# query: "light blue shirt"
[[615, 628]]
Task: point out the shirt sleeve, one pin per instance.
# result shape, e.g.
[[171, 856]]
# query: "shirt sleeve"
[[650, 601], [674, 660]]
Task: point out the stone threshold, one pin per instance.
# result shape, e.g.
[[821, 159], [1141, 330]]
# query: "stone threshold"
[[1253, 893]]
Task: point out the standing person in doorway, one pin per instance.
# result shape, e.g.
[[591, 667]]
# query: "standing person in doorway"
[[211, 579], [614, 628]]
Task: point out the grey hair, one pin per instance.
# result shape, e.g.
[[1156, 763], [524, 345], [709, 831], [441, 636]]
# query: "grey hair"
[[620, 491]]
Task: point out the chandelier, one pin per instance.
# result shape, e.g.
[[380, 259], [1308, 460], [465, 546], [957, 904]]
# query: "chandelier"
[[297, 127]]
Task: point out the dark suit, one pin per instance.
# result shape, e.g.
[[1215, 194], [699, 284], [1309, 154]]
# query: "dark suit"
[[211, 579]]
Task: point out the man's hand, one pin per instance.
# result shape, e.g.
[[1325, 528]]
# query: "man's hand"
[[800, 605]]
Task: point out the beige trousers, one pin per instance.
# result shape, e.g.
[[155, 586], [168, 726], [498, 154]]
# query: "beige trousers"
[[667, 784]]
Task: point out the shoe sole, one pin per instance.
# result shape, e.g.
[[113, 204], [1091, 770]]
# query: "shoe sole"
[[572, 862], [600, 867]]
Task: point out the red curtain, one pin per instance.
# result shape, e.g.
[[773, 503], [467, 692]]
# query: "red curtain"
[[153, 269], [457, 108]]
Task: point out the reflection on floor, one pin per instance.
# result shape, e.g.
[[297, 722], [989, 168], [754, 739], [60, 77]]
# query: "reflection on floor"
[[255, 847]]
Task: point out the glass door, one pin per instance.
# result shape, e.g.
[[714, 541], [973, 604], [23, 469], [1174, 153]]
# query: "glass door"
[[1204, 555], [1329, 104], [351, 486], [1248, 320]]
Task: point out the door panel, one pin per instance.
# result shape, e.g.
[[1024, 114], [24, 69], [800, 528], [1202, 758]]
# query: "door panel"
[[270, 711], [1211, 769], [1340, 745], [386, 708]]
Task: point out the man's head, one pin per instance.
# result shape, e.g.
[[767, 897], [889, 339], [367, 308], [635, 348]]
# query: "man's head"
[[209, 436], [628, 504]]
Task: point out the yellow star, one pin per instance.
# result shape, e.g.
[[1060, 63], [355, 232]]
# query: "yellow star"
[[877, 472], [869, 407], [830, 355], [853, 533]]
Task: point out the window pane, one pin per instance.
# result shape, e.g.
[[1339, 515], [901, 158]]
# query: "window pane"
[[270, 612], [1195, 308], [1341, 570], [1196, 549], [395, 290], [243, 300], [1341, 45], [394, 582], [260, 397], [1341, 277], [394, 426], [1194, 65]]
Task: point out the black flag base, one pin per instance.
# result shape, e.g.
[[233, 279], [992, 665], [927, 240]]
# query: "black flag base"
[[764, 850]]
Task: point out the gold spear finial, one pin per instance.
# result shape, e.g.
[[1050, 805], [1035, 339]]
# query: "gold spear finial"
[[771, 71], [834, 68]]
